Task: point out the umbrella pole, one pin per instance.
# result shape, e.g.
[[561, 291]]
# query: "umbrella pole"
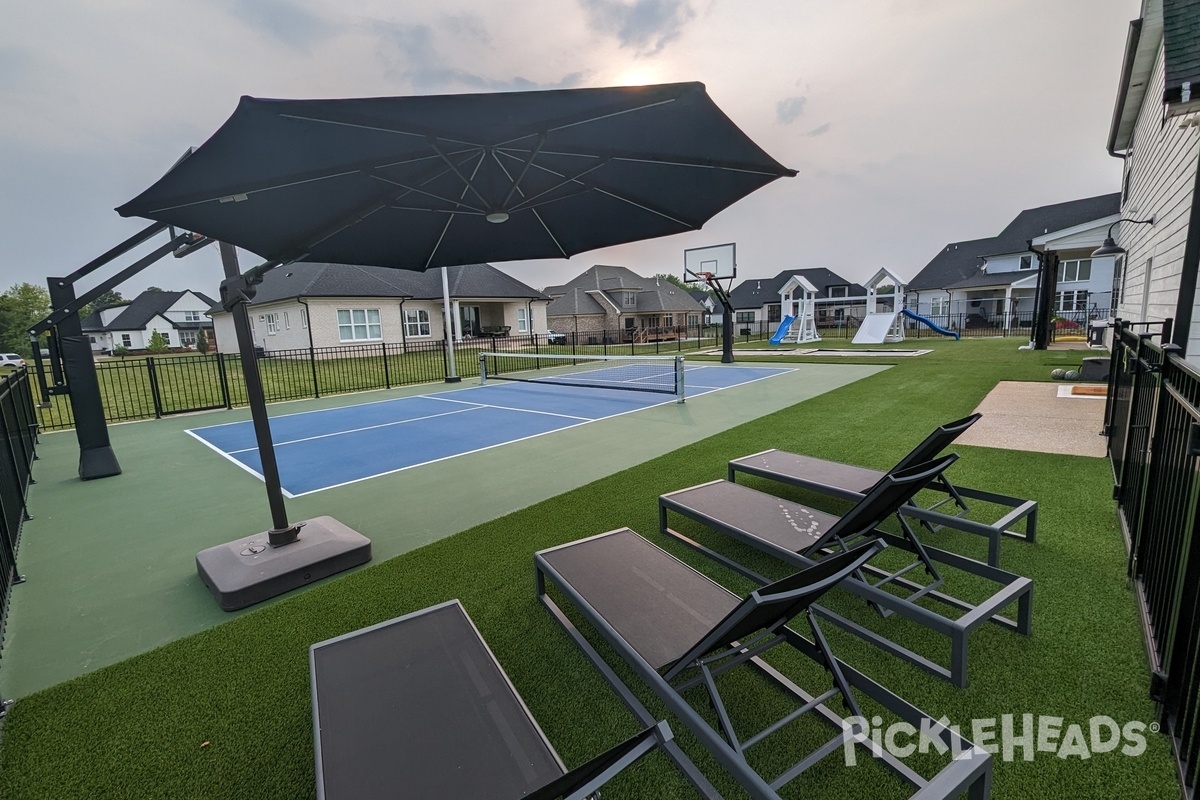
[[248, 570], [281, 532]]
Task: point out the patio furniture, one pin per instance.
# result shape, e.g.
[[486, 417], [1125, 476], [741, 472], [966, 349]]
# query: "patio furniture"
[[681, 633], [418, 706], [801, 536], [851, 483]]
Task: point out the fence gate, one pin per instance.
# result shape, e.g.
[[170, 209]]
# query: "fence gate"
[[189, 383]]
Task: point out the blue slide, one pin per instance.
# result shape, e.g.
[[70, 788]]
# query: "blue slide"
[[930, 323], [783, 329]]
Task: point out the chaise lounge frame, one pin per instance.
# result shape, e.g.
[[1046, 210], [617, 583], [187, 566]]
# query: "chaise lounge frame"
[[850, 482], [484, 742], [616, 580], [768, 524]]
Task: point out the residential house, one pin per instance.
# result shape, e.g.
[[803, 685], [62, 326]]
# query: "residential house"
[[995, 281], [304, 305], [756, 301], [1156, 131], [618, 304], [709, 304], [178, 316]]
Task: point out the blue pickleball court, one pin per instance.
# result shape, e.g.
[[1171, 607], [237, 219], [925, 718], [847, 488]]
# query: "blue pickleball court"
[[319, 450]]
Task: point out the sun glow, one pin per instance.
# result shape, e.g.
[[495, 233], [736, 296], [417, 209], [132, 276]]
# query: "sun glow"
[[640, 75]]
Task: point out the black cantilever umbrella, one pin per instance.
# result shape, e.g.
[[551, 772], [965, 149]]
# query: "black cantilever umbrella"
[[420, 182], [435, 181]]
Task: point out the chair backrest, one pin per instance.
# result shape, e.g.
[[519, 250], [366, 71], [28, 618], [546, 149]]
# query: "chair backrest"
[[884, 499], [775, 604], [941, 438]]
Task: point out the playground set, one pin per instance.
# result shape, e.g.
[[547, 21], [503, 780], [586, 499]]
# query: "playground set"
[[884, 322]]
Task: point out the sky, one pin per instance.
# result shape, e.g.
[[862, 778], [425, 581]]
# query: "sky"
[[912, 123]]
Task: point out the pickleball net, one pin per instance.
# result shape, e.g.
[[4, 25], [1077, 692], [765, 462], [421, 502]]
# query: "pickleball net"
[[663, 374]]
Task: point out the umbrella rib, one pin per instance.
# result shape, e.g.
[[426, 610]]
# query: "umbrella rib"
[[590, 120], [516, 183], [519, 155], [593, 187], [375, 128], [566, 179], [416, 190], [454, 167], [553, 238]]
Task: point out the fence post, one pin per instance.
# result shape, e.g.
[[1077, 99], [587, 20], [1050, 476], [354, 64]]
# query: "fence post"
[[223, 377], [152, 376], [1110, 402], [312, 365], [387, 375]]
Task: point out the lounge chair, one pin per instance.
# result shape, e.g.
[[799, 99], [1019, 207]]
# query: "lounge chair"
[[681, 633], [419, 707], [850, 483], [801, 536]]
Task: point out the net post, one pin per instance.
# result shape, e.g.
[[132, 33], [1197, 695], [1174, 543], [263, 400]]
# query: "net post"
[[679, 378], [482, 369]]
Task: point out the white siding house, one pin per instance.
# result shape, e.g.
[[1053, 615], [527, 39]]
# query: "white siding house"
[[339, 305], [178, 316], [1156, 130]]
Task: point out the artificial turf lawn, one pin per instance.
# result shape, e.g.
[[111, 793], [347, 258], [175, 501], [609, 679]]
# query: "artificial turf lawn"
[[226, 713]]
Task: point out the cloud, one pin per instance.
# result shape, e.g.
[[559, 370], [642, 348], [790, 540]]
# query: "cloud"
[[289, 23], [645, 25], [820, 130], [789, 109], [411, 54]]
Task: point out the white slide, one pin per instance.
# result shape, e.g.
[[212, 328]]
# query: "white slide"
[[875, 328]]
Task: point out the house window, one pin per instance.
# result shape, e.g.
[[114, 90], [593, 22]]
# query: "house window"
[[1118, 286], [1026, 262], [629, 299], [1071, 301], [668, 320], [287, 323], [522, 320], [693, 320], [126, 340], [358, 324], [272, 324], [191, 316], [416, 322], [304, 318], [939, 306], [744, 317], [1080, 270], [839, 291], [187, 338]]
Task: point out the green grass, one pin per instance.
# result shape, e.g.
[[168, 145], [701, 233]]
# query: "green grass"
[[226, 713]]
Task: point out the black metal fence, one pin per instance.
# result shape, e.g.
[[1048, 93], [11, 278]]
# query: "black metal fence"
[[134, 388], [1152, 419], [18, 431]]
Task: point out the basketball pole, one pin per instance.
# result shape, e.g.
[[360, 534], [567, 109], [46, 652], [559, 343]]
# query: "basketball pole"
[[726, 318]]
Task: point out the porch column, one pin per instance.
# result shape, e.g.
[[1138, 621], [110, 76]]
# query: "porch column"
[[456, 321], [1008, 309]]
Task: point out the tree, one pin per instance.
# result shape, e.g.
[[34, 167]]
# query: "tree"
[[154, 289], [109, 298], [158, 342], [21, 307], [678, 281], [201, 341]]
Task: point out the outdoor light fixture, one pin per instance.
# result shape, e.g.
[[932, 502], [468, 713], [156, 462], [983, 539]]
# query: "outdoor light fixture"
[[497, 217], [1111, 248]]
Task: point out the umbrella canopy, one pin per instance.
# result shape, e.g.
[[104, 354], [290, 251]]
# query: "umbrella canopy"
[[443, 180]]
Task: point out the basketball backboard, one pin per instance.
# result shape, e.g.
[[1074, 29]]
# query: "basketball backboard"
[[720, 260]]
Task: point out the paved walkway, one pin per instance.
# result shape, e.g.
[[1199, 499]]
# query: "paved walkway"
[[1042, 418]]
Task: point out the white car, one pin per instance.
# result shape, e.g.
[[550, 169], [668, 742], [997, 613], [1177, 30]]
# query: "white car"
[[11, 360], [553, 337]]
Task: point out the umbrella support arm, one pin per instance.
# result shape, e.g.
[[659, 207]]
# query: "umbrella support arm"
[[236, 292]]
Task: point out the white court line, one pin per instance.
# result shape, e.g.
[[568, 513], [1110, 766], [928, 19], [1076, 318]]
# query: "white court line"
[[774, 371], [475, 407]]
